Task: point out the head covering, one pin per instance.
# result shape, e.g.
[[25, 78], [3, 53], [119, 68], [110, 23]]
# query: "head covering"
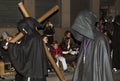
[[27, 25], [84, 25]]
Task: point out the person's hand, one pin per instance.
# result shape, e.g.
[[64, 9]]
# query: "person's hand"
[[4, 45], [56, 56], [51, 25], [59, 55], [69, 51]]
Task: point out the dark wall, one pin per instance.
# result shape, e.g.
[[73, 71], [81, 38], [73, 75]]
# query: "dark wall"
[[77, 6], [107, 2], [9, 13], [42, 6]]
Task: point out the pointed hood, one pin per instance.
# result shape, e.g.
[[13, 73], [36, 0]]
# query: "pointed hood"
[[84, 25], [28, 24]]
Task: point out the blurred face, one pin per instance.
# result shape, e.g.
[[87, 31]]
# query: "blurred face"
[[45, 40], [101, 21], [105, 33], [49, 24], [68, 35], [55, 46]]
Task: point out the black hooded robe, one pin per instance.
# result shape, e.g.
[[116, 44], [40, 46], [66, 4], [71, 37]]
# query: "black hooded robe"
[[96, 66], [29, 57], [116, 43]]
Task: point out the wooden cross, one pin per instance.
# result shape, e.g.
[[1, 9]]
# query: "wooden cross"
[[20, 35]]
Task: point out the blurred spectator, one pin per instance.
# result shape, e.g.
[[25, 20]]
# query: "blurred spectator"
[[45, 40], [100, 25], [5, 37], [109, 25], [70, 52], [4, 57], [107, 33], [49, 31], [69, 48], [57, 53]]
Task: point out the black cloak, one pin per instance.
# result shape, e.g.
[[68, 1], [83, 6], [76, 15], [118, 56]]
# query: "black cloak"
[[116, 43], [29, 57], [94, 62]]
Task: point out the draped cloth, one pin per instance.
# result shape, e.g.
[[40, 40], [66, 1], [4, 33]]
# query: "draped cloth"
[[97, 63], [28, 57], [116, 43]]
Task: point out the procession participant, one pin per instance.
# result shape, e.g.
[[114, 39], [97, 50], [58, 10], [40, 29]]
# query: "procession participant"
[[94, 57], [29, 57], [116, 44]]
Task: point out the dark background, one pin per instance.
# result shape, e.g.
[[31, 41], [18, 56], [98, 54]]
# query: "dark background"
[[76, 7], [10, 13], [42, 6]]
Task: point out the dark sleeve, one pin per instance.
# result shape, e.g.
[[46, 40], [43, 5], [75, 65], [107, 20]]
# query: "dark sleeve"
[[53, 30]]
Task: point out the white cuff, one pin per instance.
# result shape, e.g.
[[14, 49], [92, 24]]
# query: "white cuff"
[[6, 44]]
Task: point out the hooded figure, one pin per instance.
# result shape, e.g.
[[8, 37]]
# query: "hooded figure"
[[116, 44], [94, 57], [28, 57]]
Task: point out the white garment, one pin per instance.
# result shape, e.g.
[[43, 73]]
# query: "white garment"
[[28, 78], [74, 52], [62, 59]]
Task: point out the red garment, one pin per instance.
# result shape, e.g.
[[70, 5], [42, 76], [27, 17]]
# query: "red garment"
[[56, 51]]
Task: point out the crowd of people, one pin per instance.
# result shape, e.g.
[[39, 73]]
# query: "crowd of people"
[[91, 59]]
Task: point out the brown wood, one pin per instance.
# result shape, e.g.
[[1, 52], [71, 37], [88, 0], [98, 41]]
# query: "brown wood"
[[24, 11], [2, 68], [16, 38], [48, 13], [57, 70]]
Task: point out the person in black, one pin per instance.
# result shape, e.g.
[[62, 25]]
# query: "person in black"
[[94, 61], [49, 31], [28, 57], [116, 44]]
